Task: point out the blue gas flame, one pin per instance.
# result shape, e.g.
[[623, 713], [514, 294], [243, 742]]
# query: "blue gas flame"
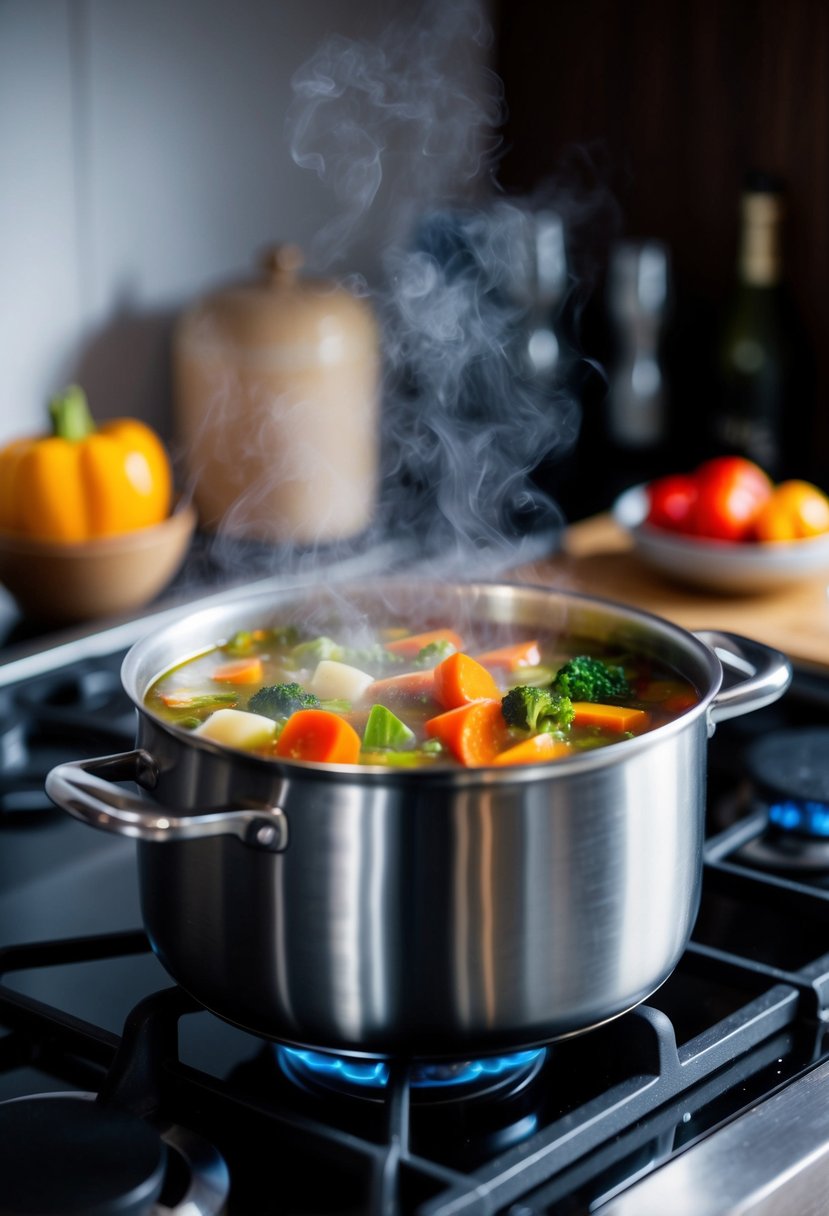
[[806, 818], [375, 1073]]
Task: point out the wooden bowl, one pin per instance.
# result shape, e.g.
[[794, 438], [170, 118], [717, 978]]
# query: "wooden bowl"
[[64, 583]]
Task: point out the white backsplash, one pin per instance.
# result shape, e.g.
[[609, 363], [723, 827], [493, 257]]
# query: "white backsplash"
[[142, 160]]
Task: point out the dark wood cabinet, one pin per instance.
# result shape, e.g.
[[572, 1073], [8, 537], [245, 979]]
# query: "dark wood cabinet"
[[667, 104]]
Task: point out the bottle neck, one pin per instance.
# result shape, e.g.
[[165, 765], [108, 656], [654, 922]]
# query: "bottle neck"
[[760, 253]]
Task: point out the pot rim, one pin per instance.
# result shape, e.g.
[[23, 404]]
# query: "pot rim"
[[706, 662]]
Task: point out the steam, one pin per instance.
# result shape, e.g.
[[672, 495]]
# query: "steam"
[[391, 124], [404, 132], [477, 388]]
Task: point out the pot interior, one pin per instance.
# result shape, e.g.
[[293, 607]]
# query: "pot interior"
[[493, 609]]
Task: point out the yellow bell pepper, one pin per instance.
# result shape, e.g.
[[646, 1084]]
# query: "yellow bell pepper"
[[83, 481]]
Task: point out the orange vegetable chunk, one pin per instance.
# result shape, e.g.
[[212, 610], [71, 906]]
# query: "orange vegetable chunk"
[[521, 654], [611, 717], [534, 751], [318, 734], [240, 671], [413, 644], [459, 680], [410, 686], [474, 733]]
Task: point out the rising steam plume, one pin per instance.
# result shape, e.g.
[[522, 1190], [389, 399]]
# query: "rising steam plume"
[[404, 132]]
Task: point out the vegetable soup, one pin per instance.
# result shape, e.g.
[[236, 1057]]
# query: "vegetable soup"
[[410, 700]]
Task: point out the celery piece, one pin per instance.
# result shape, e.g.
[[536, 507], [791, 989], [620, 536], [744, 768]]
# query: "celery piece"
[[316, 650], [391, 759], [240, 644], [200, 700], [384, 729], [538, 677], [433, 653]]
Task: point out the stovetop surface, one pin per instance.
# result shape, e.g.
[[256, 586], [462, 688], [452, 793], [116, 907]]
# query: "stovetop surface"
[[85, 1006]]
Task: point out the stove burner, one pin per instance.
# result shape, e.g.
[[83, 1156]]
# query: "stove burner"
[[70, 1155], [429, 1080], [64, 1152], [792, 766], [805, 818], [790, 773]]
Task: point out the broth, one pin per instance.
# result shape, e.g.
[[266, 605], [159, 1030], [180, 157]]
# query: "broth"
[[417, 700]]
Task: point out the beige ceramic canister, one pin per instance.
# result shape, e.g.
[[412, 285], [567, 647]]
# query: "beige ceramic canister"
[[277, 412]]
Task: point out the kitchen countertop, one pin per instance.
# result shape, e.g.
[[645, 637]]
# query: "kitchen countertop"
[[597, 558]]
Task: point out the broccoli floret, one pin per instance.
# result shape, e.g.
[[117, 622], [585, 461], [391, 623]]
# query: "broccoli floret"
[[281, 700], [536, 709], [433, 653], [371, 658], [587, 679]]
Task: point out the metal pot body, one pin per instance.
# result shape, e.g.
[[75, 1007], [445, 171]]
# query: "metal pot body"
[[432, 913]]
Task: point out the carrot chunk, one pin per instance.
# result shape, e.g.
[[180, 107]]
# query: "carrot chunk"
[[240, 671], [410, 686], [318, 734], [679, 702], [611, 717], [670, 695], [521, 654], [460, 680], [413, 644], [474, 734], [534, 751]]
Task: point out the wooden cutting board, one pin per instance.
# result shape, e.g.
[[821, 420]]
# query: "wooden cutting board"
[[597, 558]]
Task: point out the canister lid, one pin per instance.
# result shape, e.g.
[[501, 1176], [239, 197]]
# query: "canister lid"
[[283, 315]]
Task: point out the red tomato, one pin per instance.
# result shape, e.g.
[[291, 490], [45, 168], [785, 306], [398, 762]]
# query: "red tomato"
[[671, 501], [730, 493]]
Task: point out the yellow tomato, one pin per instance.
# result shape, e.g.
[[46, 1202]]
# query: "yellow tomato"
[[83, 481], [796, 509]]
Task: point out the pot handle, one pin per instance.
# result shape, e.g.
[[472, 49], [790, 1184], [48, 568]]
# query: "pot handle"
[[85, 789], [768, 673]]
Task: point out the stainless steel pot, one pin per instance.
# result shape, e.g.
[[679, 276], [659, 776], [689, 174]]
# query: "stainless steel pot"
[[427, 913]]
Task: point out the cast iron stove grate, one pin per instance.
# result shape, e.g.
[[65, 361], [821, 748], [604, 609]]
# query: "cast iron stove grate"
[[743, 1015], [722, 1032]]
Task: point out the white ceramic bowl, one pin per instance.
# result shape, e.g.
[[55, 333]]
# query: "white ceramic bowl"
[[721, 565]]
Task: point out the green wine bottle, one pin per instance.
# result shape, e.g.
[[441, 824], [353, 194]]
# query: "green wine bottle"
[[763, 362]]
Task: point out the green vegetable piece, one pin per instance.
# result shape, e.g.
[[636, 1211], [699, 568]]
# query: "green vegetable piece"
[[432, 745], [371, 658], [315, 650], [240, 644], [537, 709], [539, 676], [337, 705], [287, 635], [202, 700], [433, 653], [384, 729], [584, 678], [389, 759], [281, 700]]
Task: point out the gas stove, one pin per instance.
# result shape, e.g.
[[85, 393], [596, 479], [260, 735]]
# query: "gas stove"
[[119, 1093]]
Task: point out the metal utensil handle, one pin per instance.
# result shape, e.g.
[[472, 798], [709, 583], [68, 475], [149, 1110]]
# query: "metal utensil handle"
[[768, 673], [84, 788]]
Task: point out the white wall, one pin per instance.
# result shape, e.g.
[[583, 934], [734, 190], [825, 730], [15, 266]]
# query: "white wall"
[[142, 160]]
